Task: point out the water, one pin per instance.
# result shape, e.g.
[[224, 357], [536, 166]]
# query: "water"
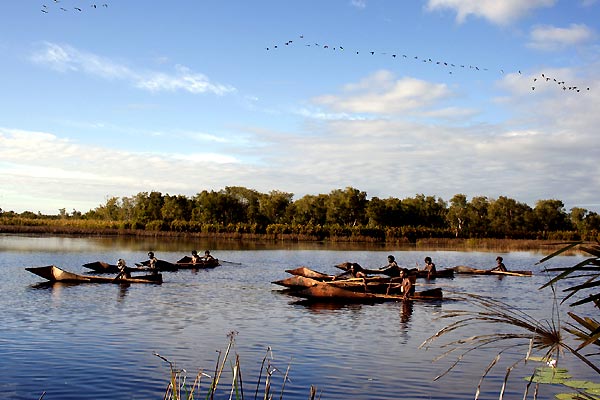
[[98, 341]]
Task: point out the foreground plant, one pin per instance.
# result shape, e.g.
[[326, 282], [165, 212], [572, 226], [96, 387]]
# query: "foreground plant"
[[520, 330], [178, 389]]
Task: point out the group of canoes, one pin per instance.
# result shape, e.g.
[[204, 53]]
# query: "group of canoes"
[[390, 283], [152, 269], [354, 284]]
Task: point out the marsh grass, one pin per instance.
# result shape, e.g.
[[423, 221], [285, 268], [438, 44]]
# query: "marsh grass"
[[179, 389], [514, 329]]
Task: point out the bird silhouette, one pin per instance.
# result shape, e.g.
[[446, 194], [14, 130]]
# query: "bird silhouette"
[[449, 64], [77, 8]]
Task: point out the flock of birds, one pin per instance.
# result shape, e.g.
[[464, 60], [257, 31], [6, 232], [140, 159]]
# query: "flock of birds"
[[46, 8], [449, 65], [562, 84]]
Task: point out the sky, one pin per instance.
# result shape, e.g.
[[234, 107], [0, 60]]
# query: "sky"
[[394, 98]]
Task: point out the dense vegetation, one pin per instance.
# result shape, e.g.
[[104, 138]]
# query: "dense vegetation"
[[343, 213]]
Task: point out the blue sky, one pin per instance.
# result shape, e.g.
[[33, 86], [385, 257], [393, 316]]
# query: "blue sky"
[[394, 98]]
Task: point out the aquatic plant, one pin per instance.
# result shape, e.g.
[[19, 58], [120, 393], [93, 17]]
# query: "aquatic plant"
[[533, 335], [179, 389]]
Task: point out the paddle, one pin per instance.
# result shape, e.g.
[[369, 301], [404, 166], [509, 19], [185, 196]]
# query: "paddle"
[[230, 262], [118, 276]]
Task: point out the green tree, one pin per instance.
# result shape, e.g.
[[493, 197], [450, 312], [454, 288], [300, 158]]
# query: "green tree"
[[550, 215], [310, 209], [386, 212], [458, 214], [346, 207], [148, 206], [274, 206], [425, 211], [176, 207], [508, 218]]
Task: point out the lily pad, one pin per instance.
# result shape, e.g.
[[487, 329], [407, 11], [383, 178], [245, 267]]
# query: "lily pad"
[[589, 387], [550, 375]]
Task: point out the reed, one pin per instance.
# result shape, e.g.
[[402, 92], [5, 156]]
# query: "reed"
[[179, 389], [514, 329]]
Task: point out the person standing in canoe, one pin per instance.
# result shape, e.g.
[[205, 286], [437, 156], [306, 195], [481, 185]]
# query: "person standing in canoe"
[[196, 259], [499, 265], [407, 286], [392, 269], [153, 263], [429, 267]]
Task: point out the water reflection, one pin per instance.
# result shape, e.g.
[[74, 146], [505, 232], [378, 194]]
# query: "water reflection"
[[325, 306], [406, 311], [123, 288]]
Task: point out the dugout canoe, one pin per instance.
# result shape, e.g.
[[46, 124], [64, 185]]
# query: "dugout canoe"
[[161, 265], [54, 274], [309, 273], [463, 269], [186, 263], [441, 273], [106, 268], [326, 292], [375, 284]]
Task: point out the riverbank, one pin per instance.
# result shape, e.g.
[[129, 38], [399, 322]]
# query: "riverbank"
[[422, 243]]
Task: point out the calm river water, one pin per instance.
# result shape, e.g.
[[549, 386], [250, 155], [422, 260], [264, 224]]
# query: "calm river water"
[[95, 341]]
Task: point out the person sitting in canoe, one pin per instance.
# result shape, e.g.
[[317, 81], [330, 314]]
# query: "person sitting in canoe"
[[123, 271], [153, 263], [499, 265], [392, 269], [352, 269], [429, 267], [208, 256], [196, 259]]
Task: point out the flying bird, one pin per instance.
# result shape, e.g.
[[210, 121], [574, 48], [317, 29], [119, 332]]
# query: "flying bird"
[[77, 8]]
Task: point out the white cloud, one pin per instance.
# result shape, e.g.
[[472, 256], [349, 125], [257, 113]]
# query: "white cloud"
[[498, 12], [67, 174], [65, 58], [554, 38], [359, 3], [381, 93], [544, 148]]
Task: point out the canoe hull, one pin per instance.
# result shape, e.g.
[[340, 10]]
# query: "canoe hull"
[[54, 274], [186, 263], [463, 269], [442, 273], [326, 292], [106, 268], [373, 285]]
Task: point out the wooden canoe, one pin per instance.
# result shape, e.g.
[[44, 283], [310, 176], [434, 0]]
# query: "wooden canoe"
[[309, 273], [161, 265], [54, 274], [463, 269], [441, 273], [106, 268], [375, 284], [186, 263], [325, 292]]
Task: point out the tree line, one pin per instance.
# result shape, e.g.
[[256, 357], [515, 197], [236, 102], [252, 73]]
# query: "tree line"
[[340, 213]]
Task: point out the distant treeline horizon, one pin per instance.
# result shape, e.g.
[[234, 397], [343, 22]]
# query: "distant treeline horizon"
[[340, 213]]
